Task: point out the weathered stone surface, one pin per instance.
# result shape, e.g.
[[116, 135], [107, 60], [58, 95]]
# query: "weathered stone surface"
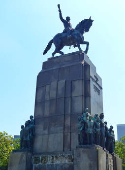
[[60, 106], [91, 158], [41, 142], [40, 94], [39, 123], [68, 88], [45, 143], [53, 90], [47, 108], [58, 61], [83, 104], [96, 98], [74, 140], [20, 161], [44, 78], [47, 95], [67, 105], [77, 88], [87, 72], [77, 104], [54, 75], [67, 142], [52, 110], [71, 58], [117, 163], [64, 73], [87, 88], [61, 89], [39, 167], [56, 124], [86, 158], [76, 72], [38, 144], [68, 167], [67, 123], [39, 109], [109, 162], [101, 159], [74, 123], [55, 142], [42, 125]]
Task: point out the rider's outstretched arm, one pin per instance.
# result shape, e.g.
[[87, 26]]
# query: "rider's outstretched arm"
[[60, 13]]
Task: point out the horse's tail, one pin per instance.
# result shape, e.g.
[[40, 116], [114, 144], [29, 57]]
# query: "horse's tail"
[[48, 47]]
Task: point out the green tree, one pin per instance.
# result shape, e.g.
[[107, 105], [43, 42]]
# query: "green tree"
[[16, 143], [7, 144], [120, 150]]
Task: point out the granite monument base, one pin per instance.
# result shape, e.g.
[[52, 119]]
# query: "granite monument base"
[[20, 161], [89, 158], [117, 163], [83, 157], [95, 158]]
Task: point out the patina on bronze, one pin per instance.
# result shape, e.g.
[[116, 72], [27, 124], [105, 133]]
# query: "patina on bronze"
[[92, 130], [27, 134], [70, 36]]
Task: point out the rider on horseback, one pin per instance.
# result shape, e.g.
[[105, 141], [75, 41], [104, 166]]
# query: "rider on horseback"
[[67, 25], [75, 35]]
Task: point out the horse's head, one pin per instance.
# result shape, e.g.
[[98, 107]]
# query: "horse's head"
[[88, 24], [84, 25]]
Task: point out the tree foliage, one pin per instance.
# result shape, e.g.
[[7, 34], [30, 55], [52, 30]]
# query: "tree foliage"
[[7, 144], [120, 150]]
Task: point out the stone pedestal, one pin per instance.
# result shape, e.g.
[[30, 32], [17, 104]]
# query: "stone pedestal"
[[117, 162], [20, 161], [109, 162], [89, 158], [65, 87]]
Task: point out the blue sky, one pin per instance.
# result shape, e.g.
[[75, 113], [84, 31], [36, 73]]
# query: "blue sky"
[[27, 27]]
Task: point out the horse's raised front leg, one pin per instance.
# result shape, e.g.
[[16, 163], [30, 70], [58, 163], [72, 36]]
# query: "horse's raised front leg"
[[87, 46]]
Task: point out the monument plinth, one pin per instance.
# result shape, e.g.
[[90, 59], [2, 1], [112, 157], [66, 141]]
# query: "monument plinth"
[[65, 87]]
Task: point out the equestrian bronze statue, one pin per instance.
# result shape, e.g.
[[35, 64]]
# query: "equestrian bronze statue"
[[70, 36]]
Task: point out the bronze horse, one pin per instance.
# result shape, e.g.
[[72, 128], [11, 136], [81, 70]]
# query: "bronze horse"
[[61, 39]]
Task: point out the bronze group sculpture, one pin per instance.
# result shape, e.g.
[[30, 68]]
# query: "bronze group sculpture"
[[27, 134], [70, 36], [93, 130]]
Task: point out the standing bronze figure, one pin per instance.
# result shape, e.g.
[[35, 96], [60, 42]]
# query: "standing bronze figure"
[[70, 36], [90, 131], [102, 131], [111, 140], [80, 130]]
